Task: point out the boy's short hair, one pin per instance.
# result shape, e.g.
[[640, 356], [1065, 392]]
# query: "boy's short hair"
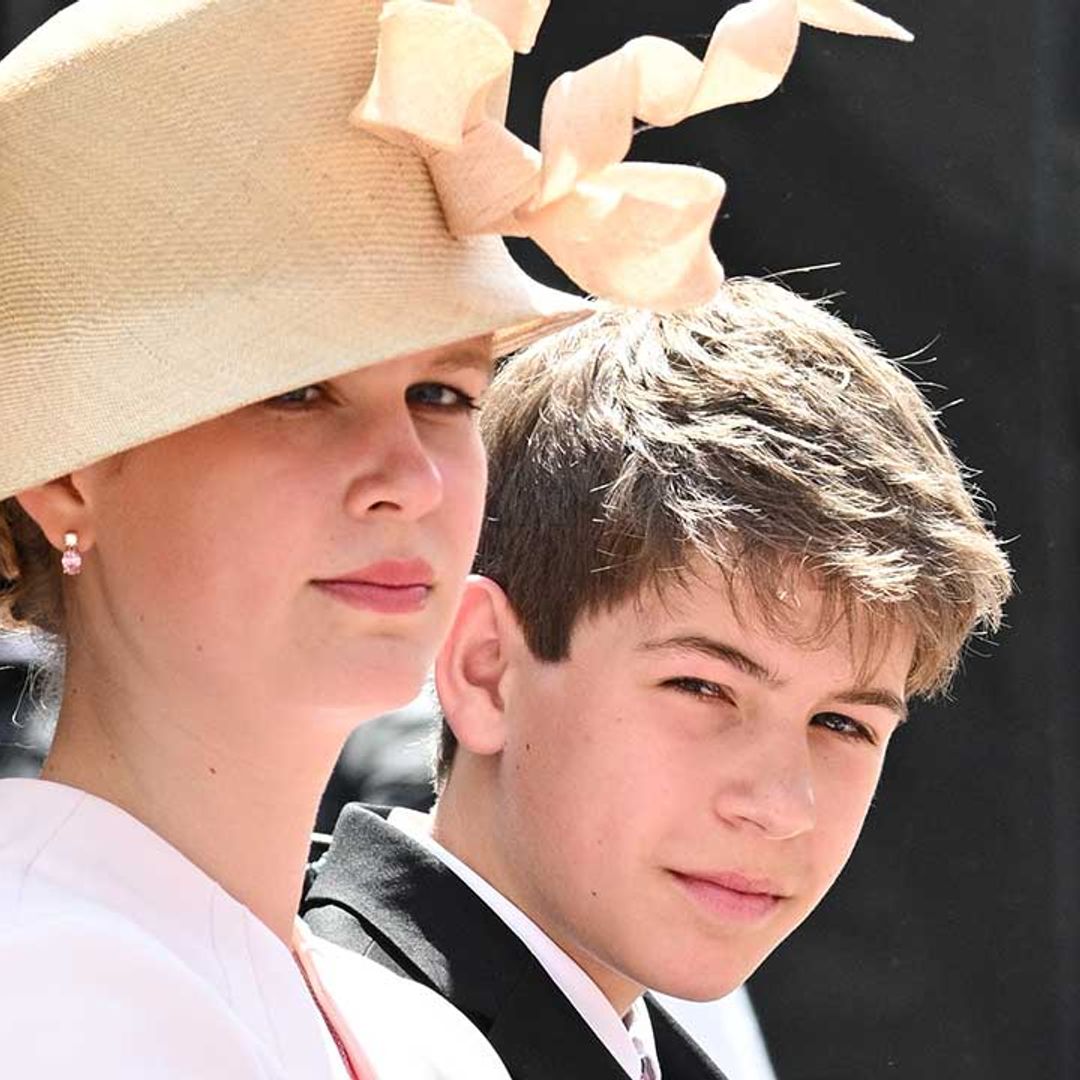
[[759, 435]]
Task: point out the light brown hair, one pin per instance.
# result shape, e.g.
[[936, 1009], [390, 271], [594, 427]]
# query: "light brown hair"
[[31, 597], [760, 435]]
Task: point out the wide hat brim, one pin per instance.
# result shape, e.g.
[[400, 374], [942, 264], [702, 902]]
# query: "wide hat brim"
[[189, 223]]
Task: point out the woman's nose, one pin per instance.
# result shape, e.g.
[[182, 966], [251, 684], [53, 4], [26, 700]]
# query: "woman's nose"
[[395, 473], [768, 786]]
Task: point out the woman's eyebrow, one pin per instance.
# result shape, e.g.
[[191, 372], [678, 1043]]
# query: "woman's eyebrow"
[[465, 360]]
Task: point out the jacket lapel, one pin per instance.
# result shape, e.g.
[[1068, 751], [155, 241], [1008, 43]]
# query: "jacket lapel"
[[416, 907], [540, 1036], [680, 1056], [434, 927]]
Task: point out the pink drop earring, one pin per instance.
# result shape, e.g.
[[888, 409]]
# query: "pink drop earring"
[[71, 560]]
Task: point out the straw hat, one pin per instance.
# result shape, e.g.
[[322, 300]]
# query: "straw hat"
[[204, 203], [189, 223]]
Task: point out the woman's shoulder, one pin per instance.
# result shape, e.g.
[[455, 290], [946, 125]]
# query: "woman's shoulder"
[[64, 852], [88, 994], [96, 975]]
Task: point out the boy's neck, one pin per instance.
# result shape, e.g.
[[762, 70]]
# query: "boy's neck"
[[463, 823]]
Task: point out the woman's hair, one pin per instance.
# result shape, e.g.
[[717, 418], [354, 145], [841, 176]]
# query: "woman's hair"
[[30, 594]]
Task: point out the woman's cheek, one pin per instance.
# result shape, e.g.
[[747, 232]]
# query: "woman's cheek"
[[466, 486]]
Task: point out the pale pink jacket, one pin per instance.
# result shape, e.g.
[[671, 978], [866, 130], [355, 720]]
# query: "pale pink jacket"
[[121, 960]]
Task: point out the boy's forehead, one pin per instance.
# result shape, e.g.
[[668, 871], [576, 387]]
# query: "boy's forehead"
[[711, 614]]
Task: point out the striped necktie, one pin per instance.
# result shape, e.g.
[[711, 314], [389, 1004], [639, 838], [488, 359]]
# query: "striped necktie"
[[648, 1069]]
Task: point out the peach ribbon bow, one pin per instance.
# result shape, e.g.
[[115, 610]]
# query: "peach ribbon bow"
[[633, 232]]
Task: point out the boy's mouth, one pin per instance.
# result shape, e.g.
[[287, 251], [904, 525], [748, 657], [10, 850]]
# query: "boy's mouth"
[[732, 895]]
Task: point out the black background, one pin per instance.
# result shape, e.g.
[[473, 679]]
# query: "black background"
[[944, 178]]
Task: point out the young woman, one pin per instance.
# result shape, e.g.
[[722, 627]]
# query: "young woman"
[[251, 588]]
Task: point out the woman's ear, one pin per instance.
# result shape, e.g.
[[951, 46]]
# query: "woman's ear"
[[57, 508], [470, 669]]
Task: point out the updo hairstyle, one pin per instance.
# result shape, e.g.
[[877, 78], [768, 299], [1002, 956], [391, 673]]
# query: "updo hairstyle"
[[31, 597]]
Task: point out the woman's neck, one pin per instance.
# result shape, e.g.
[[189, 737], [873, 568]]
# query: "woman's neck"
[[234, 785]]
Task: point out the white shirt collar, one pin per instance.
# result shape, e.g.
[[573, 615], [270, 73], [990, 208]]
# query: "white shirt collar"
[[595, 1009]]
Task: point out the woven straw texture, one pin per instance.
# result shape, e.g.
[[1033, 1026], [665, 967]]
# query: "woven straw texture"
[[189, 223]]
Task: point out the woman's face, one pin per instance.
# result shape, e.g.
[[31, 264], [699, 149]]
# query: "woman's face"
[[306, 551]]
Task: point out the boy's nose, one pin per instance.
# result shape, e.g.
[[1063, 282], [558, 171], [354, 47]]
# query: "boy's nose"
[[769, 786]]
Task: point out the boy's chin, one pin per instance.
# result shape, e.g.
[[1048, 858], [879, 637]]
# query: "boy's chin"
[[701, 989], [692, 983]]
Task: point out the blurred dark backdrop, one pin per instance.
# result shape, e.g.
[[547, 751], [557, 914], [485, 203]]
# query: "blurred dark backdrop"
[[944, 178]]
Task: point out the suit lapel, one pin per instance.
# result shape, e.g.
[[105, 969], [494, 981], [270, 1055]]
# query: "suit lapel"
[[680, 1056], [435, 927], [418, 908], [541, 1036]]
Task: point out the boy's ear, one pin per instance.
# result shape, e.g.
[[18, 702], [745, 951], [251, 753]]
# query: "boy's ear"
[[472, 665], [59, 507]]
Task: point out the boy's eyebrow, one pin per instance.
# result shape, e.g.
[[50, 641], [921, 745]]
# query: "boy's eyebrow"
[[716, 650], [873, 696]]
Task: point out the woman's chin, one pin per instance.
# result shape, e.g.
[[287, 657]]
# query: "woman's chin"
[[363, 694]]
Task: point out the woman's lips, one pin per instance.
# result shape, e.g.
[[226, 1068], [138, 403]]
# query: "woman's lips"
[[391, 587], [731, 896]]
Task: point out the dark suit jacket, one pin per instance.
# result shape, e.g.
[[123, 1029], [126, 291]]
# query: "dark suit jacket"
[[380, 893]]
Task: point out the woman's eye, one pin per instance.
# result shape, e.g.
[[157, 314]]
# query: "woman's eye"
[[300, 398], [845, 727], [439, 396], [701, 689]]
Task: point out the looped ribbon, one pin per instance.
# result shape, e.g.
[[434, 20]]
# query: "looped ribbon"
[[633, 232]]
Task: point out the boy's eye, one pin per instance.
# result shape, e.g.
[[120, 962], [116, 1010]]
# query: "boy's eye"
[[845, 727], [300, 398], [439, 396], [701, 689]]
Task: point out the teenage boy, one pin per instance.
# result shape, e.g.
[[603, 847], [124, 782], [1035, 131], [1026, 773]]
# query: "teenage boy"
[[723, 550]]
